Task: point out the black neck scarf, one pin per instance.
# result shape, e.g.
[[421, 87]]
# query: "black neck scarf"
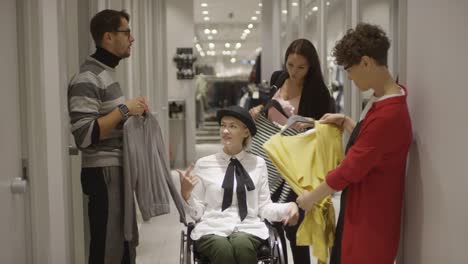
[[243, 180]]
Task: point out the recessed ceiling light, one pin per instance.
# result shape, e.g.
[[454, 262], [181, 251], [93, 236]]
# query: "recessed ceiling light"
[[246, 31], [205, 12], [207, 31], [257, 12], [328, 3], [210, 37], [315, 8], [227, 45], [204, 4], [294, 4], [238, 45], [214, 31], [254, 18], [206, 18], [233, 60], [284, 11], [260, 4], [211, 45], [202, 54], [250, 26]]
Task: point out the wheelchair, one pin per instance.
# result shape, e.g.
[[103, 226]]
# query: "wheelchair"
[[270, 252]]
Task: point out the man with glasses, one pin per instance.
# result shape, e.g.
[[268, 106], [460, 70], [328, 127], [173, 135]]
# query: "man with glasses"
[[97, 111]]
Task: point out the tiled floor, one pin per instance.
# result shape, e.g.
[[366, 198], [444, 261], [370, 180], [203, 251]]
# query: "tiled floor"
[[160, 237]]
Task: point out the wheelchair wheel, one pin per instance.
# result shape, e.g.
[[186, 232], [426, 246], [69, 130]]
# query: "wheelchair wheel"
[[185, 249], [277, 256], [188, 253], [182, 247]]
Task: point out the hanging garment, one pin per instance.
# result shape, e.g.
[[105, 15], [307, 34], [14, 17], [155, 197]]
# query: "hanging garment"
[[146, 172], [279, 189], [304, 160]]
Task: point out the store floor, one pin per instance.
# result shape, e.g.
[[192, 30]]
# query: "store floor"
[[160, 237]]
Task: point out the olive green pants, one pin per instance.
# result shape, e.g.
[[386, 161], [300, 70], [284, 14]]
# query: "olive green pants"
[[238, 248]]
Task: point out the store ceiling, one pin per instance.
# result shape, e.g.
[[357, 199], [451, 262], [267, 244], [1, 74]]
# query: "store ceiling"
[[228, 19]]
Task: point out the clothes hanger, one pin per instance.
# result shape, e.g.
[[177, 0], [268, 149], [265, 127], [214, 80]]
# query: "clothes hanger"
[[296, 118]]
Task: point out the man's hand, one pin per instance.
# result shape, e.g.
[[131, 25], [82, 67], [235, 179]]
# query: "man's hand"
[[137, 106], [304, 201], [144, 102], [187, 182], [293, 215]]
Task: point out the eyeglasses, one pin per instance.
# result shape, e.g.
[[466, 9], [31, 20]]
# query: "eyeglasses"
[[125, 31]]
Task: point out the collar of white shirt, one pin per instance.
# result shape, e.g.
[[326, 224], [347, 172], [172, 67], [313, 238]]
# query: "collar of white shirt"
[[239, 156]]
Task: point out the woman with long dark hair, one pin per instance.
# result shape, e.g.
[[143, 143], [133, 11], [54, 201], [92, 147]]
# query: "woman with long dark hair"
[[301, 90], [301, 83]]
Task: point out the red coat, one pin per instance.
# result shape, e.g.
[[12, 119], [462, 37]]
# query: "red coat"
[[374, 172]]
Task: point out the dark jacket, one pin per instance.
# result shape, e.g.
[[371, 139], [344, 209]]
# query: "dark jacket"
[[315, 101]]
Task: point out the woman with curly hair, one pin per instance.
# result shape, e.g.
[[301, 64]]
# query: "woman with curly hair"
[[373, 170]]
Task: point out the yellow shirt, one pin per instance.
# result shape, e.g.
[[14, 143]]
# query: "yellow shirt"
[[304, 160]]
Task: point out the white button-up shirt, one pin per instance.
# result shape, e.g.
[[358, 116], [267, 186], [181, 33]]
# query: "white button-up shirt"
[[204, 204]]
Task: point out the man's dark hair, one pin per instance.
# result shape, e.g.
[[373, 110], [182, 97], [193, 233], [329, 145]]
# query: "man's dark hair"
[[365, 40], [107, 20]]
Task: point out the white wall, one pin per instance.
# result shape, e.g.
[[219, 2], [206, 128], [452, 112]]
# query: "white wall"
[[436, 214], [335, 24], [180, 33], [13, 218], [43, 72], [376, 12], [270, 28]]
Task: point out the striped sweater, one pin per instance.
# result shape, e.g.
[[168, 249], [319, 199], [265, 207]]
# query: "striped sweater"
[[92, 93]]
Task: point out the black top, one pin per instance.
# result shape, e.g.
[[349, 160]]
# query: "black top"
[[335, 257], [106, 57], [315, 101]]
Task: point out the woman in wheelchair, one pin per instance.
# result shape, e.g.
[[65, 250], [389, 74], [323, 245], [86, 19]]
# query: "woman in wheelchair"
[[228, 195]]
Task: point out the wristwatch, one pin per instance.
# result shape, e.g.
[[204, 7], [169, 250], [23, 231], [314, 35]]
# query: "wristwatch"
[[124, 110]]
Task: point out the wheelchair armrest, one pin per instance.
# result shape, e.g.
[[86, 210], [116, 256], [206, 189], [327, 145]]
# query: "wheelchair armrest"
[[190, 227]]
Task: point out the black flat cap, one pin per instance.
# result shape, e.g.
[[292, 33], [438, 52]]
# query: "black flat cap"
[[239, 113]]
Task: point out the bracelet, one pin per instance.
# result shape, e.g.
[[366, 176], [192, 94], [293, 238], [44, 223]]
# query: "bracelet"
[[342, 122]]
